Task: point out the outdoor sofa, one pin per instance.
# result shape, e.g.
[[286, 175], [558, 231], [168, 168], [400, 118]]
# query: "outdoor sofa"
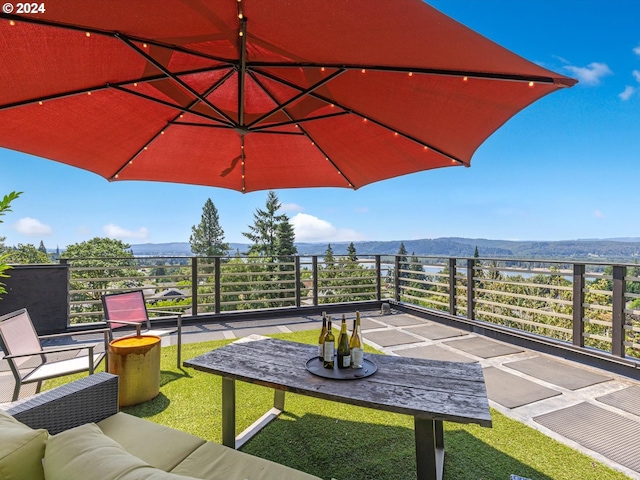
[[79, 432]]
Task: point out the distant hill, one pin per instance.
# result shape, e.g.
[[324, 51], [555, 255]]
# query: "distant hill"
[[623, 250]]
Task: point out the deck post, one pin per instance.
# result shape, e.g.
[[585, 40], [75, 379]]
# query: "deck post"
[[217, 286], [194, 286], [296, 259], [578, 304], [378, 278], [471, 263], [618, 318], [314, 279], [452, 286]]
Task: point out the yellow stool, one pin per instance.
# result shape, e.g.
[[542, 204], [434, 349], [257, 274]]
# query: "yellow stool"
[[136, 361]]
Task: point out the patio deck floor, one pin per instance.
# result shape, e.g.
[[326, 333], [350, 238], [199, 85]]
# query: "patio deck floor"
[[548, 393]]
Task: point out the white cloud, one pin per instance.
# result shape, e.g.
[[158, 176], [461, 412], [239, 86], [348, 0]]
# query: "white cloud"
[[627, 93], [32, 228], [636, 50], [598, 214], [290, 207], [591, 74], [313, 229], [114, 231], [636, 75]]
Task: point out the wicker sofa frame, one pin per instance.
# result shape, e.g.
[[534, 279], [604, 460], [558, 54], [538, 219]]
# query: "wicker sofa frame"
[[90, 399]]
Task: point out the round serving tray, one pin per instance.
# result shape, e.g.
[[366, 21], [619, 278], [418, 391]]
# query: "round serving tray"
[[315, 366]]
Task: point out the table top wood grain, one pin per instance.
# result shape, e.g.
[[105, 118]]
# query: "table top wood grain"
[[445, 391]]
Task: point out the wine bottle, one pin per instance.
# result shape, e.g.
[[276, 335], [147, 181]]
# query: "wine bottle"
[[344, 353], [323, 332], [356, 344], [329, 347]]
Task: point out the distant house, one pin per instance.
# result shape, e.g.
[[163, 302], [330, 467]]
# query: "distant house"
[[169, 294]]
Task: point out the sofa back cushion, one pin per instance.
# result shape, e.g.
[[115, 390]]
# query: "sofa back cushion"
[[85, 453], [21, 450]]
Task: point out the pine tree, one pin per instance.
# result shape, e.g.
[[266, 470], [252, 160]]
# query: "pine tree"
[[329, 261], [351, 252], [207, 238], [402, 259], [264, 231], [285, 239]]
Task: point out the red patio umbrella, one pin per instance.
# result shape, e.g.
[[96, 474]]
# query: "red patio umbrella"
[[254, 94]]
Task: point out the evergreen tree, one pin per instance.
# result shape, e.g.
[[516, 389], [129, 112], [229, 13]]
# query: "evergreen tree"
[[351, 252], [207, 238], [402, 258], [264, 231], [285, 239], [329, 261]]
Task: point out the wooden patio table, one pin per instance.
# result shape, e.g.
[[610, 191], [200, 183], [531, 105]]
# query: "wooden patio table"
[[431, 391]]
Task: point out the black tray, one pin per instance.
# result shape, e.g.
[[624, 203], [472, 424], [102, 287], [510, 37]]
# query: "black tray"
[[315, 366]]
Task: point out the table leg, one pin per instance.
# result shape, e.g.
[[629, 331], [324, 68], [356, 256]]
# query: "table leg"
[[229, 412], [278, 400], [429, 448]]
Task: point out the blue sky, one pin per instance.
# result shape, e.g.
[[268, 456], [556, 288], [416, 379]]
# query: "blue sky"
[[564, 168]]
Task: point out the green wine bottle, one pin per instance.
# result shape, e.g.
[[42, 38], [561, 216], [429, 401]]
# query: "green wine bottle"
[[355, 344], [323, 332], [344, 353], [329, 347]]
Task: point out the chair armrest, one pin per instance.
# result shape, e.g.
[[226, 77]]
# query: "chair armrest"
[[166, 314], [138, 325], [87, 400], [67, 348], [68, 334]]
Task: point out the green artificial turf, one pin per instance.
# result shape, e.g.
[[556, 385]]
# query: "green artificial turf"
[[333, 440]]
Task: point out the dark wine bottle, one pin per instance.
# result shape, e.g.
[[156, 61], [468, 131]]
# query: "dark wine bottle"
[[329, 347], [344, 353], [323, 332]]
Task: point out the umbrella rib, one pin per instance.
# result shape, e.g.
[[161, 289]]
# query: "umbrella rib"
[[110, 33], [263, 130], [98, 88], [282, 106], [295, 122], [175, 78], [313, 142], [172, 122], [242, 69], [365, 117], [428, 71], [169, 104]]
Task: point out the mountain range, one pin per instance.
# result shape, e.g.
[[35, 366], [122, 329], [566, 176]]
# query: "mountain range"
[[617, 249]]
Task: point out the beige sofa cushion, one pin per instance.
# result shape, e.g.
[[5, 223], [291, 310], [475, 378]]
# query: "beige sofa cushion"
[[21, 450], [216, 462], [159, 446], [85, 453]]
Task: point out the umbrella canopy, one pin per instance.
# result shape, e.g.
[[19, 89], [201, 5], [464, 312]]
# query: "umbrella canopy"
[[255, 94]]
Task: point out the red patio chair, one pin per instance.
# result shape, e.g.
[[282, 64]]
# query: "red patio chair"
[[20, 344], [130, 309]]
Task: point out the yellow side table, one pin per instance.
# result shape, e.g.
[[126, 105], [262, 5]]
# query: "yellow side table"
[[136, 361]]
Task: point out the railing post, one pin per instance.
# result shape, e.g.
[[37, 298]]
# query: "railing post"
[[471, 262], [396, 277], [378, 277], [578, 304], [194, 286], [314, 279], [216, 280], [297, 277], [452, 286], [619, 287]]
